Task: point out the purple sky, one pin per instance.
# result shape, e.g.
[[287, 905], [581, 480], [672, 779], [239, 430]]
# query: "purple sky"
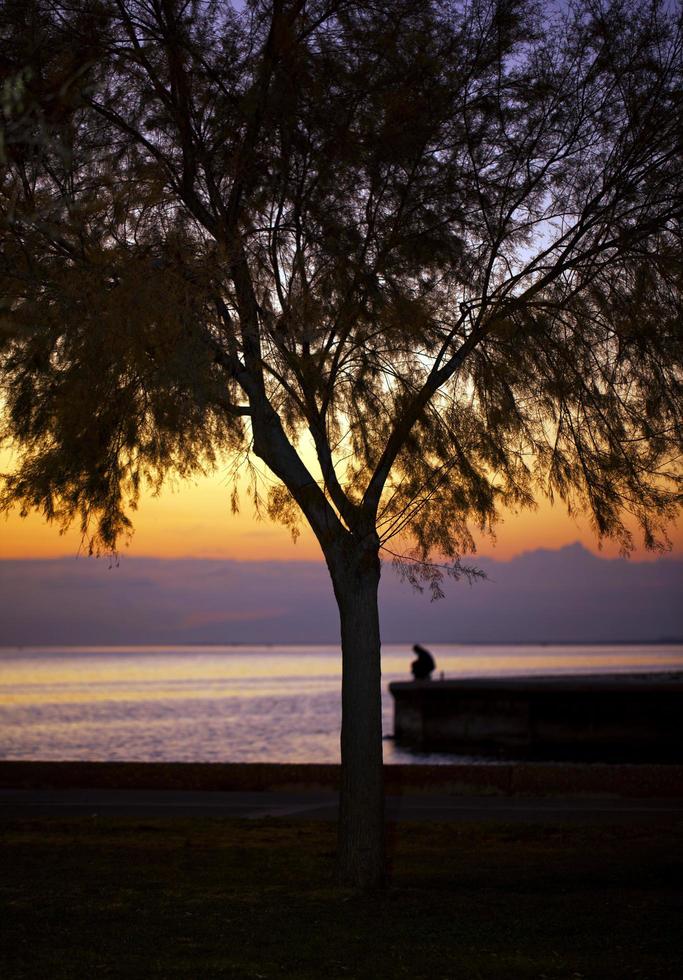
[[567, 595]]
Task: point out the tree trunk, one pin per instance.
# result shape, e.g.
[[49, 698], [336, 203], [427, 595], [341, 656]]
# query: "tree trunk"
[[355, 576]]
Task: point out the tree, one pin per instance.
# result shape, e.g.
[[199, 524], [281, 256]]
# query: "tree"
[[439, 241]]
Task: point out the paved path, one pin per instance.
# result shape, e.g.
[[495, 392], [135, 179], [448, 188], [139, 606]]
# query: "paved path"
[[323, 806]]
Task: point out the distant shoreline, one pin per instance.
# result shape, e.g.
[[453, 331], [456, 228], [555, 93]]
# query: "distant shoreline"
[[665, 642]]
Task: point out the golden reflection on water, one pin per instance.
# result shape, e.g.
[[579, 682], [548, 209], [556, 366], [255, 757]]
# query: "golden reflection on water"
[[235, 704], [116, 674]]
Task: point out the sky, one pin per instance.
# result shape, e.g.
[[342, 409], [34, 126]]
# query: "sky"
[[564, 595], [193, 520], [193, 572]]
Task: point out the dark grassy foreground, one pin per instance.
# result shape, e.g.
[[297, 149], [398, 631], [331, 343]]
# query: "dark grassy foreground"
[[93, 897]]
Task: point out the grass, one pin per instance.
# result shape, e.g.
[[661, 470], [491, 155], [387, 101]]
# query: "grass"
[[209, 898]]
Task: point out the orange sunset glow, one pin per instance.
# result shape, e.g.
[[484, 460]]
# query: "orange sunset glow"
[[192, 518]]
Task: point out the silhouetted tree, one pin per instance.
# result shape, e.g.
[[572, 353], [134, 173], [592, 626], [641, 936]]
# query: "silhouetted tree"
[[438, 242]]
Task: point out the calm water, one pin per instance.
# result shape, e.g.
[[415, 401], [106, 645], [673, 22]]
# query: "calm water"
[[234, 704]]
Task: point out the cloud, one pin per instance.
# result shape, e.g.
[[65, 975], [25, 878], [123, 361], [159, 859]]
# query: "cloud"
[[568, 595], [216, 617]]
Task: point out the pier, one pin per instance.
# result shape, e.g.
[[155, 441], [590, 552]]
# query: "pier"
[[628, 718]]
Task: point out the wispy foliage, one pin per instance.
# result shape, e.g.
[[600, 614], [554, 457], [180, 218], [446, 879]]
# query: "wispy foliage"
[[442, 242]]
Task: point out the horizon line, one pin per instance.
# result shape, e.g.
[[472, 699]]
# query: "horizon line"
[[646, 557], [660, 641]]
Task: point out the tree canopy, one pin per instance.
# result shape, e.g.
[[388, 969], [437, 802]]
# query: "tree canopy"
[[438, 241], [441, 240]]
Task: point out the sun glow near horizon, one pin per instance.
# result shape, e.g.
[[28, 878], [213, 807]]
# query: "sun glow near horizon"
[[192, 519]]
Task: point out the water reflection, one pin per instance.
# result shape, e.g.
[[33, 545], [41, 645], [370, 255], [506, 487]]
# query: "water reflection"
[[238, 704]]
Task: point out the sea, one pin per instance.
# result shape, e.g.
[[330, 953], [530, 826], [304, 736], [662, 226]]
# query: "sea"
[[239, 703]]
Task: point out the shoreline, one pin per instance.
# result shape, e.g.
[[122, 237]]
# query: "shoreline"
[[632, 780]]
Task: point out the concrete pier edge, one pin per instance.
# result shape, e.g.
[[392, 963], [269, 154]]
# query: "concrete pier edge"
[[496, 778], [630, 717]]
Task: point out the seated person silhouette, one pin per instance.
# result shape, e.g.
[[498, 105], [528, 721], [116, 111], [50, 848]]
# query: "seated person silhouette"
[[424, 665]]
